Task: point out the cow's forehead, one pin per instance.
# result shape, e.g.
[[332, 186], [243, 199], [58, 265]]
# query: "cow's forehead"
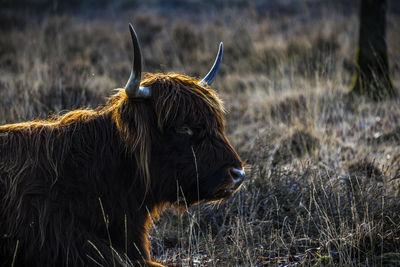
[[171, 86], [182, 98]]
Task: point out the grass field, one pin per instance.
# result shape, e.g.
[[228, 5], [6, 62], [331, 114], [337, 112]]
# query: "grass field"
[[323, 170]]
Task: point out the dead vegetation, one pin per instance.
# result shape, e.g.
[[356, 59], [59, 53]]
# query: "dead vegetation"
[[323, 172]]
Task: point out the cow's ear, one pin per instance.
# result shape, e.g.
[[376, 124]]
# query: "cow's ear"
[[132, 87]]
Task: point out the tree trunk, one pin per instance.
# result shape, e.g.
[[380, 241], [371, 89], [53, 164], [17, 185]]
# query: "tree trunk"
[[372, 78]]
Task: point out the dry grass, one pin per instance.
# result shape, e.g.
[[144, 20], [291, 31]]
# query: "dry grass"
[[323, 184]]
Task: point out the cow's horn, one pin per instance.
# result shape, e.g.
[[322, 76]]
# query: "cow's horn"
[[208, 80], [132, 87]]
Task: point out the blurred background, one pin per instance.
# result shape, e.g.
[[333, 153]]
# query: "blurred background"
[[323, 166]]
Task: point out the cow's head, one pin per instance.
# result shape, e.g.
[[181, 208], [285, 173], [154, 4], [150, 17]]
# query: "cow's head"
[[189, 154]]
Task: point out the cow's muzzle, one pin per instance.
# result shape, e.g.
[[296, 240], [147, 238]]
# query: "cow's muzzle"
[[237, 176]]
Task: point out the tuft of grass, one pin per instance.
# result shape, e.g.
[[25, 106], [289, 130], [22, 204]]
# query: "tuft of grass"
[[323, 172], [297, 145]]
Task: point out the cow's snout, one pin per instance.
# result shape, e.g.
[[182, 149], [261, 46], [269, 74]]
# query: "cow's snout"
[[238, 176]]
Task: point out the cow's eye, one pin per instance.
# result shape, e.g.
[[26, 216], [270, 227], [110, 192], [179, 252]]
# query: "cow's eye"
[[184, 130]]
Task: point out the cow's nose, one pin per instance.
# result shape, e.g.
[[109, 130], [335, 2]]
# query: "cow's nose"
[[237, 176]]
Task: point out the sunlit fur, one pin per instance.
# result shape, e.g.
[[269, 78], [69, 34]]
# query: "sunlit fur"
[[75, 185]]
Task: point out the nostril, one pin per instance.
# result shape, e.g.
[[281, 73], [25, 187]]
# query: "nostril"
[[237, 174]]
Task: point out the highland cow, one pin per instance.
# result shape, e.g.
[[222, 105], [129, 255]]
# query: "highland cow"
[[80, 189]]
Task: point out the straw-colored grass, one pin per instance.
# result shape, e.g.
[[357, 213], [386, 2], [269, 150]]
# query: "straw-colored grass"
[[323, 171]]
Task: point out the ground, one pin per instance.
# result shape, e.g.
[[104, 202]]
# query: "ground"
[[323, 170]]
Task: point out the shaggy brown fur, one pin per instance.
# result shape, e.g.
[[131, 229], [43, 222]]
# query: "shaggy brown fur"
[[80, 188]]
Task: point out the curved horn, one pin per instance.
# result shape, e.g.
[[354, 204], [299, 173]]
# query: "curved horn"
[[132, 87], [208, 80]]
